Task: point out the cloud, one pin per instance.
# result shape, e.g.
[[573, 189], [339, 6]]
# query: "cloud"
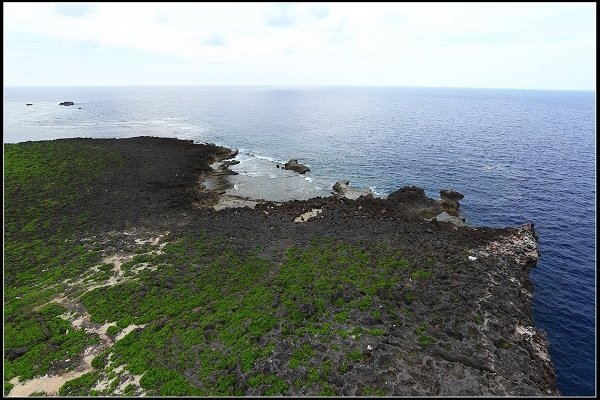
[[338, 31], [288, 50], [215, 40], [74, 10], [161, 18], [319, 11], [280, 15], [305, 43]]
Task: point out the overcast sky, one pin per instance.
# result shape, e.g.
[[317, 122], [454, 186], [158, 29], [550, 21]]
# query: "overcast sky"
[[488, 45]]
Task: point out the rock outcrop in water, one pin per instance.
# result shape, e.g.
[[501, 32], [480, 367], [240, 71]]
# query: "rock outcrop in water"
[[340, 187], [295, 166], [449, 200]]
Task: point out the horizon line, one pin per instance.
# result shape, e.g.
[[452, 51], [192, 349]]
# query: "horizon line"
[[300, 86]]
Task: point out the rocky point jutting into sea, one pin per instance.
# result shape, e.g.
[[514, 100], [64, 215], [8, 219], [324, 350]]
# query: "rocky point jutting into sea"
[[164, 283]]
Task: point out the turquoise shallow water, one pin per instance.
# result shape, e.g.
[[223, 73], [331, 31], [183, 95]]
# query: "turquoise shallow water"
[[517, 155]]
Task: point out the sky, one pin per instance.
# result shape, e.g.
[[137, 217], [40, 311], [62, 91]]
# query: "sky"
[[481, 45]]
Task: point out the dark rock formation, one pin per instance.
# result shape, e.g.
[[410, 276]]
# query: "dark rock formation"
[[413, 198], [66, 103], [15, 352], [341, 187], [233, 153], [295, 166], [407, 194], [230, 162], [449, 200]]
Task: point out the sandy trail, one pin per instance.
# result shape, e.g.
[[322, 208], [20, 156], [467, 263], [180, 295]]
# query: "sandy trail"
[[80, 319], [308, 215], [51, 384]]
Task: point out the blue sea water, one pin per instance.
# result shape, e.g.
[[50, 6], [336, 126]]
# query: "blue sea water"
[[517, 155]]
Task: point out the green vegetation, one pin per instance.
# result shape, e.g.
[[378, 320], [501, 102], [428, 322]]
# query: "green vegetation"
[[79, 386], [47, 338], [210, 319], [425, 340], [207, 321], [375, 332], [8, 387], [421, 329], [407, 312], [343, 368], [354, 355], [113, 330], [209, 309], [301, 355], [342, 316], [327, 390], [371, 391], [42, 181], [419, 274], [272, 384]]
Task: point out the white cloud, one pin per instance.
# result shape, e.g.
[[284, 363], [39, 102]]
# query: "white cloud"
[[280, 15], [448, 44], [75, 10]]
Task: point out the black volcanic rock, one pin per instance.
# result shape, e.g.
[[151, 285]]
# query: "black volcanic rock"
[[449, 200], [341, 187], [408, 194], [295, 166], [15, 352], [413, 198]]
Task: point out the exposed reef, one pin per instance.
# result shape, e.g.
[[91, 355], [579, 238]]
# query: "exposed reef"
[[295, 166]]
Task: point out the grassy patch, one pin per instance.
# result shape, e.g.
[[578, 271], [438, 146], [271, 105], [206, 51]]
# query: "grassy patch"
[[354, 355], [79, 386], [272, 384], [425, 340], [301, 356], [421, 329], [420, 274]]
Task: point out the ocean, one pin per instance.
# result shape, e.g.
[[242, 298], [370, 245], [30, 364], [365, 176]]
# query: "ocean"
[[517, 155]]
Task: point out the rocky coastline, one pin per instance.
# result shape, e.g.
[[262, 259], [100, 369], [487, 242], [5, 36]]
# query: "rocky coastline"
[[367, 296]]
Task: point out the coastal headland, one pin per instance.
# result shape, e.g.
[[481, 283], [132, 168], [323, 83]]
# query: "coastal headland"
[[130, 270]]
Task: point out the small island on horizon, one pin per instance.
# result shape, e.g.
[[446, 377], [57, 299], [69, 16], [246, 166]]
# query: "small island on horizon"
[[131, 269]]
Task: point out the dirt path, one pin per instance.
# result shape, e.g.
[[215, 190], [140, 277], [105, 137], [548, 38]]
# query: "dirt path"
[[81, 319]]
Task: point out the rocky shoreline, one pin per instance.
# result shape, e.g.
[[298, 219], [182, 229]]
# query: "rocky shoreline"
[[443, 310], [218, 181]]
